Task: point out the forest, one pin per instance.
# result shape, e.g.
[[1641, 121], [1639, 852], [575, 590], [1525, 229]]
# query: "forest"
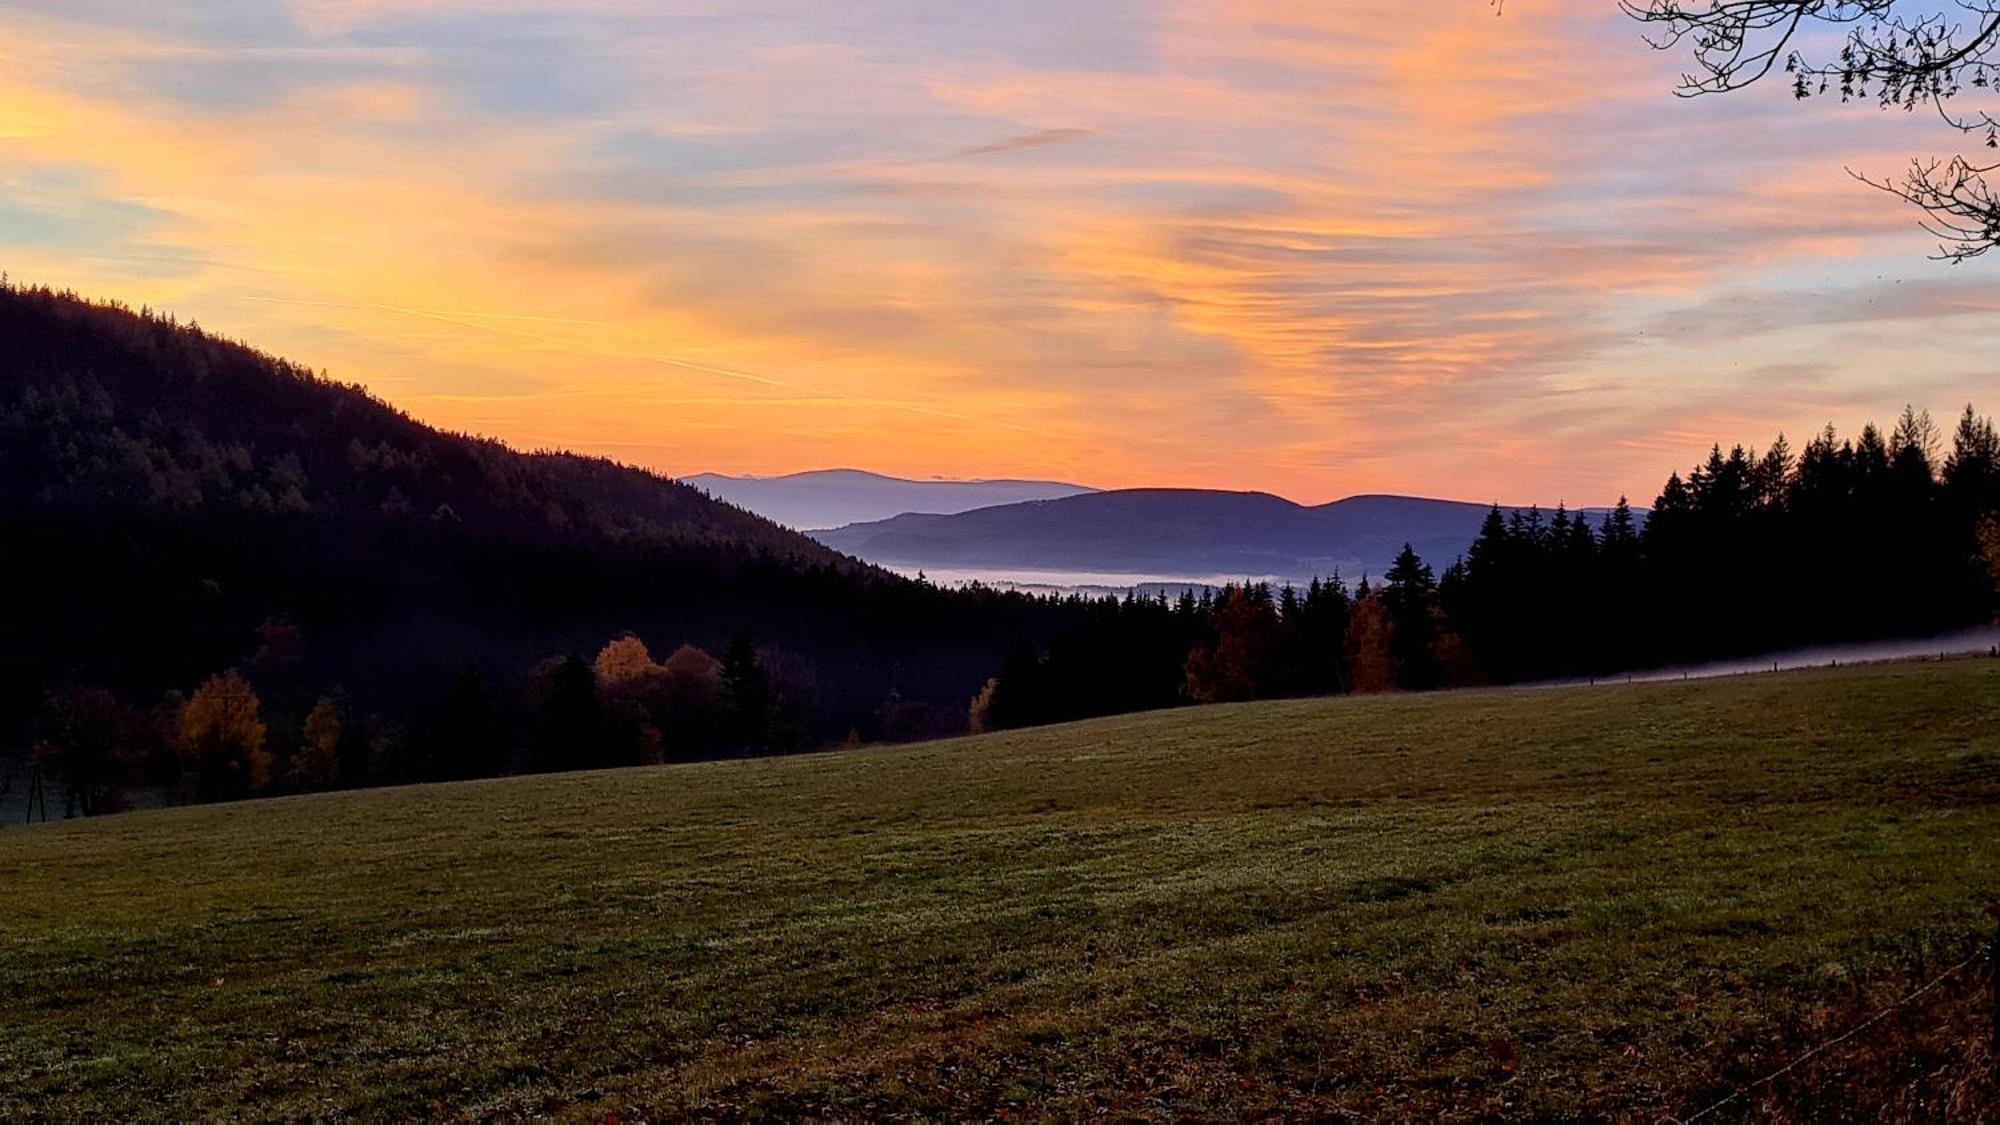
[[231, 576], [1879, 536]]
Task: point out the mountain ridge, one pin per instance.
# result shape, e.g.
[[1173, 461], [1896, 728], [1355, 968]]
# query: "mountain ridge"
[[1177, 533], [828, 498]]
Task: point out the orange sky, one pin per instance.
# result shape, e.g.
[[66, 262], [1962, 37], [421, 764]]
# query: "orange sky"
[[1312, 248]]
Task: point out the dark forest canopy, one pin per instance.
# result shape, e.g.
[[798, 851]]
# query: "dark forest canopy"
[[229, 576], [177, 505], [1911, 55]]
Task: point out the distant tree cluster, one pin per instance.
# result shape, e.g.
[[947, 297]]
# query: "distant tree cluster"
[[1880, 536], [1228, 645], [229, 740], [1753, 552]]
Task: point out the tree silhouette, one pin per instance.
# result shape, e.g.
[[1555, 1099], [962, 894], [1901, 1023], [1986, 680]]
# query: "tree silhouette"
[[88, 741], [1409, 597], [746, 696], [469, 742], [572, 731]]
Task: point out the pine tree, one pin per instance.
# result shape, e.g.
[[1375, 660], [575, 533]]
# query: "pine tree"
[[746, 695], [1018, 698], [1972, 471], [1913, 446], [1478, 597], [1772, 474], [1409, 595], [572, 735], [1620, 532], [469, 742]]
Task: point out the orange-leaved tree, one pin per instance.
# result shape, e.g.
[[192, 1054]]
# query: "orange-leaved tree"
[[222, 734]]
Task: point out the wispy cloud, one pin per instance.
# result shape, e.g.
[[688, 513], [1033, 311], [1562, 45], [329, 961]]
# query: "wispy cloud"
[[1041, 138]]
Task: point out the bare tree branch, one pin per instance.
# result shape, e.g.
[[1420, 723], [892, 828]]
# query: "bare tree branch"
[[1904, 54]]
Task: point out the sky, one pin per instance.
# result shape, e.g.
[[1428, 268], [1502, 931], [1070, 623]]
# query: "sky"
[[1311, 248]]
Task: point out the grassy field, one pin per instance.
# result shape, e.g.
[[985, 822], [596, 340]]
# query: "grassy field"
[[1601, 902]]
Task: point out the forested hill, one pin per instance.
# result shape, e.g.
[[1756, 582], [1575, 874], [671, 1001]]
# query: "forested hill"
[[173, 505], [112, 411]]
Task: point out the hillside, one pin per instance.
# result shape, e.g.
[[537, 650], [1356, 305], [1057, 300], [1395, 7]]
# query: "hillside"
[[835, 497], [1620, 902], [1168, 532], [114, 413], [171, 498]]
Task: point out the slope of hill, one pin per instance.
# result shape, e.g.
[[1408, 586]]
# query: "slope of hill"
[[117, 413], [1568, 904], [836, 497], [164, 494], [1175, 533]]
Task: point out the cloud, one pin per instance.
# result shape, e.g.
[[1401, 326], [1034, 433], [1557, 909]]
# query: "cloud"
[[1313, 248], [1038, 139]]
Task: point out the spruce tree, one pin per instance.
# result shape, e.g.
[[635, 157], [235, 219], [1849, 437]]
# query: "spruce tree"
[[1409, 594], [746, 695], [468, 740], [572, 735]]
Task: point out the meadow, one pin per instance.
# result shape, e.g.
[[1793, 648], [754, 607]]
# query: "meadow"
[[1611, 902]]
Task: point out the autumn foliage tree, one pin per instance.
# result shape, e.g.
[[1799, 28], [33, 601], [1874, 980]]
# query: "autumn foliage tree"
[[1371, 655], [89, 743], [222, 735], [624, 664], [317, 763], [1242, 660]]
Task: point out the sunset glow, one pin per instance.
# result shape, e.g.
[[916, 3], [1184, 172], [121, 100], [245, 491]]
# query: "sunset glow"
[[1316, 249]]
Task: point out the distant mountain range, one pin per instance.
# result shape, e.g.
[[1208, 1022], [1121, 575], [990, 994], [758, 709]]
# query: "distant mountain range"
[[1174, 533], [828, 498]]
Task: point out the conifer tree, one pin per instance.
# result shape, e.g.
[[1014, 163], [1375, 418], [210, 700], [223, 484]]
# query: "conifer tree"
[[572, 734], [1409, 594], [469, 743], [746, 695]]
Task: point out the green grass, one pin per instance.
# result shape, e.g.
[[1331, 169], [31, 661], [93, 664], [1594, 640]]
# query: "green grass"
[[1532, 903]]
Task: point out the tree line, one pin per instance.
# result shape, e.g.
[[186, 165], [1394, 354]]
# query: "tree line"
[[1883, 535], [254, 731], [1894, 534]]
